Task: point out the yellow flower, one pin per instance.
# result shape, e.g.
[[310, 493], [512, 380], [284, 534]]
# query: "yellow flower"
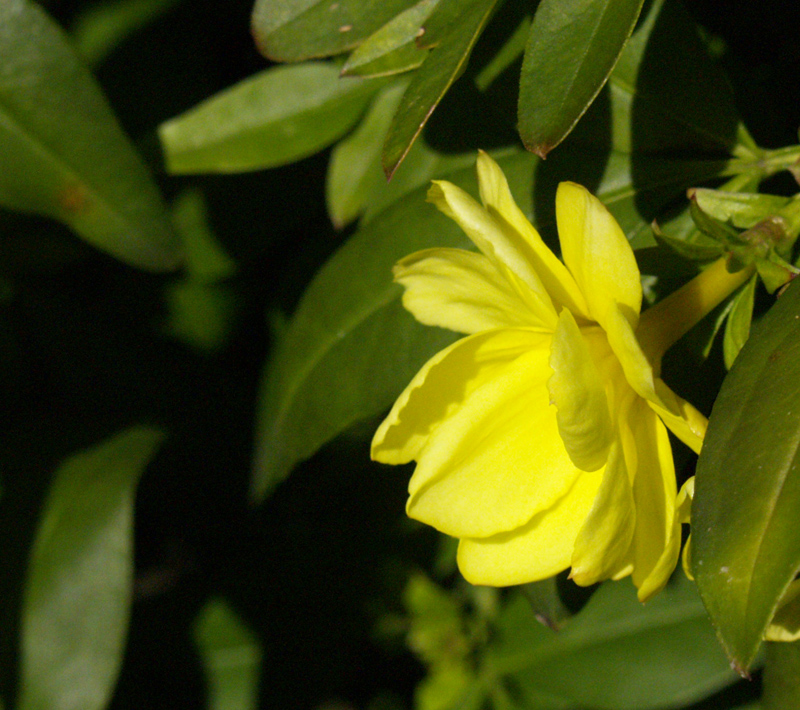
[[540, 437]]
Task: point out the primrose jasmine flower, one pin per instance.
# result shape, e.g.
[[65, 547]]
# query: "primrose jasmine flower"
[[541, 437]]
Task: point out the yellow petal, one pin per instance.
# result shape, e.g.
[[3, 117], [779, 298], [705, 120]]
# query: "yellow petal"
[[538, 550], [497, 461], [498, 200], [603, 544], [638, 370], [441, 386], [684, 420], [598, 254], [503, 247], [649, 457], [459, 290], [577, 390]]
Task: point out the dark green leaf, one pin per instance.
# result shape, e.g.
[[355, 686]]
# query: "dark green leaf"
[[63, 152], [276, 117], [393, 48], [293, 30], [616, 654], [782, 677], [746, 541], [79, 584], [350, 347], [231, 655], [442, 67], [572, 47], [737, 328]]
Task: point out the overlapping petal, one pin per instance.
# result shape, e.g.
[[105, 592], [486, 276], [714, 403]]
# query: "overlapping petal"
[[578, 392], [537, 550], [459, 290], [505, 248], [497, 460], [597, 254], [442, 385]]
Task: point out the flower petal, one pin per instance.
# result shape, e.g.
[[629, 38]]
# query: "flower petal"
[[498, 460], [602, 548], [441, 386], [598, 254], [503, 247], [638, 370], [498, 200], [459, 290], [648, 456], [687, 424], [539, 549], [577, 390]]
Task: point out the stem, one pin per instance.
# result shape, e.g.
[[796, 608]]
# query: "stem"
[[665, 323]]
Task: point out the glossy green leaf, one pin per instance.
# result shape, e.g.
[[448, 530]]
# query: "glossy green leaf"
[[99, 29], [737, 328], [465, 20], [351, 347], [293, 30], [231, 656], [572, 47], [746, 542], [63, 152], [79, 584], [616, 654], [276, 117], [393, 48]]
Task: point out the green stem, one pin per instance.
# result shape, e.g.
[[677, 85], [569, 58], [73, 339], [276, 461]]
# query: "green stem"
[[665, 323]]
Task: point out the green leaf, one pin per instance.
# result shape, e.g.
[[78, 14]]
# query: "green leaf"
[[643, 648], [63, 152], [737, 328], [746, 542], [463, 22], [79, 585], [276, 117], [743, 209], [354, 171], [572, 47], [231, 656], [351, 347], [393, 48], [99, 29], [293, 30], [781, 677]]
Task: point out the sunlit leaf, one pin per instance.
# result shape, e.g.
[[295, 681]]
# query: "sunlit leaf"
[[454, 43], [63, 153], [616, 654], [231, 656], [292, 30], [572, 47], [79, 583], [393, 48], [746, 542], [351, 347], [276, 117]]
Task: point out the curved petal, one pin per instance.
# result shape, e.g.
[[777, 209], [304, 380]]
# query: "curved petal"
[[597, 253], [498, 460], [638, 370], [577, 390], [538, 550], [459, 290], [648, 456], [602, 548], [496, 197], [687, 424], [503, 247], [442, 385]]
